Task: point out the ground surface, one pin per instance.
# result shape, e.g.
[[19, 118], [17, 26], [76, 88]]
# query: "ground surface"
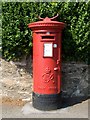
[[80, 110]]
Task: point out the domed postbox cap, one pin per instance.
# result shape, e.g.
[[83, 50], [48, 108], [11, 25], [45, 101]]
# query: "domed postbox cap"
[[47, 23]]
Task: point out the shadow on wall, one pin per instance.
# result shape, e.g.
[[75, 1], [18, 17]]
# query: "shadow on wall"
[[75, 84]]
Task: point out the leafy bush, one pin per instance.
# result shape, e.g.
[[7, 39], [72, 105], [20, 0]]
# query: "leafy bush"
[[17, 37]]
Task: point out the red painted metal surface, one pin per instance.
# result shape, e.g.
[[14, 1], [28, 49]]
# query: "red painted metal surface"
[[47, 55]]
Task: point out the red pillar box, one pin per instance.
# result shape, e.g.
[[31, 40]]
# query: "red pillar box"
[[46, 63]]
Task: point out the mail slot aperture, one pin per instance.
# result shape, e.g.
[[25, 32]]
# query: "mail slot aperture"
[[47, 37]]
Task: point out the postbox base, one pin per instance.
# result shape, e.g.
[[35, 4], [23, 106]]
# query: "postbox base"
[[46, 102]]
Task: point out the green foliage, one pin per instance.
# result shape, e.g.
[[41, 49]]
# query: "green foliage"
[[17, 37]]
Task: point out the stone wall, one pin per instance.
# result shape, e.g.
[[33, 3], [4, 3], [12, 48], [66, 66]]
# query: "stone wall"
[[75, 82], [17, 81]]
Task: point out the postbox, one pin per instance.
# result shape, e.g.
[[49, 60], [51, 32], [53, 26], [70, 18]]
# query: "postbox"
[[46, 63]]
